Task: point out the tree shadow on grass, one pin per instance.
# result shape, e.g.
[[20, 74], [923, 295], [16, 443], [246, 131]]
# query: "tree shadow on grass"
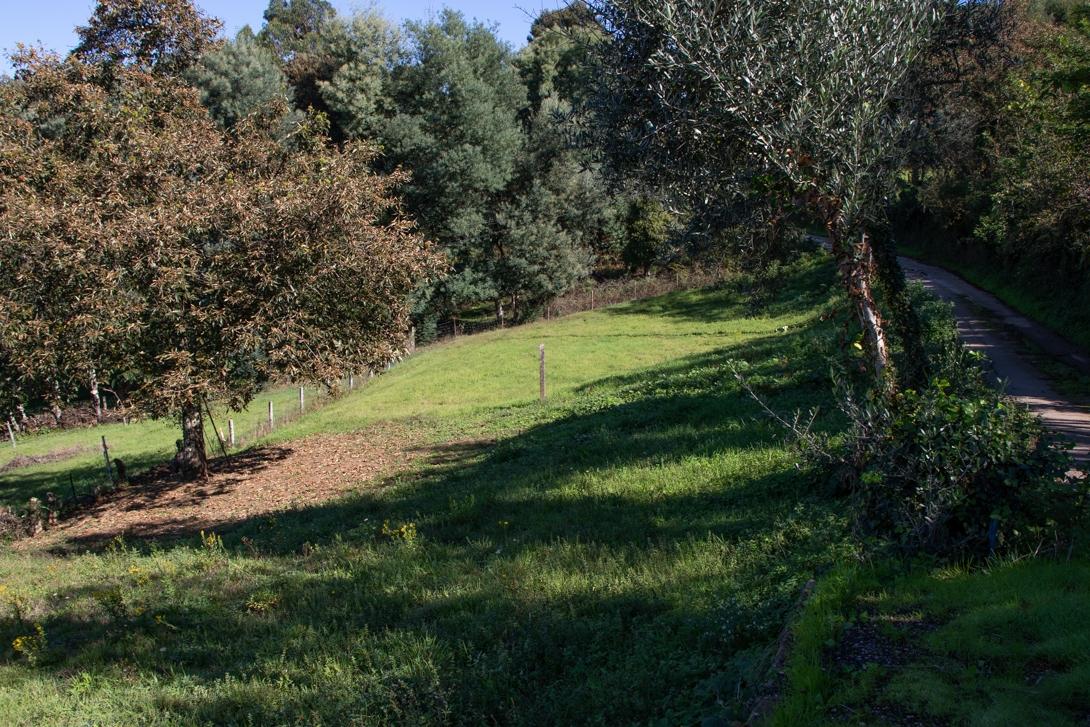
[[792, 292], [152, 489], [74, 484], [615, 562]]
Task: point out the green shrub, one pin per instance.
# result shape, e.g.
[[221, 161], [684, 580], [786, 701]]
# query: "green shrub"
[[958, 472], [956, 469]]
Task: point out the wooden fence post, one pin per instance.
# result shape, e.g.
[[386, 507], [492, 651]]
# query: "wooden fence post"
[[231, 431], [219, 435], [272, 421], [302, 400], [541, 371], [11, 434], [109, 466], [351, 382]]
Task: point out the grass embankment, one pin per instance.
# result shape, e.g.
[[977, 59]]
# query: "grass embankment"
[[74, 459], [621, 554], [1006, 644]]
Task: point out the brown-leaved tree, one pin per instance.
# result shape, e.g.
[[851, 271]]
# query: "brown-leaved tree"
[[142, 243], [163, 36]]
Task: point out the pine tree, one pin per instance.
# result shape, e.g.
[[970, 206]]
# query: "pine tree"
[[238, 79], [454, 124]]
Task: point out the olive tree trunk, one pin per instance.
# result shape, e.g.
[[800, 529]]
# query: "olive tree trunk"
[[914, 369], [855, 261], [191, 461]]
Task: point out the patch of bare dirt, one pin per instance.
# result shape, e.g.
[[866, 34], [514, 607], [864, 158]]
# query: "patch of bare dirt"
[[247, 485], [890, 643], [26, 460]]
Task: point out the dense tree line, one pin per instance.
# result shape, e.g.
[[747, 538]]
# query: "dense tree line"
[[490, 137], [210, 214], [1009, 177]]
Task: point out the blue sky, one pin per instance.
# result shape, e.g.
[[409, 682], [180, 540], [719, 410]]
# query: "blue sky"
[[51, 23]]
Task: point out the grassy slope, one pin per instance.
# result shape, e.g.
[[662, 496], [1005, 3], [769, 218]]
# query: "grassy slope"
[[618, 555]]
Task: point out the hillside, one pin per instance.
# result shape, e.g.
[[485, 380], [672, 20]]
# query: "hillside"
[[628, 549]]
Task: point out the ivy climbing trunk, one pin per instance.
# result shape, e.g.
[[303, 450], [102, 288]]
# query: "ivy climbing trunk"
[[913, 370], [191, 461]]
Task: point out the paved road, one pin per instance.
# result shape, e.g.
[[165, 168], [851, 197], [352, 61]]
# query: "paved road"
[[988, 325]]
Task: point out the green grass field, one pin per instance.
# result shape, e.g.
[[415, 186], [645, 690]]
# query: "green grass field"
[[621, 554], [626, 553]]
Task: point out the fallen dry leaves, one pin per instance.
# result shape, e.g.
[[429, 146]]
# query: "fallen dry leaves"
[[246, 485]]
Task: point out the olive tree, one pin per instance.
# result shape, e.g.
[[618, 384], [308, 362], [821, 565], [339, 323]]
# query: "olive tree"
[[811, 92]]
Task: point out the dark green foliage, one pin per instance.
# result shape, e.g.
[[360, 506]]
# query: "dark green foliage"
[[536, 258], [956, 468], [238, 79], [291, 26], [491, 140], [365, 49], [646, 230], [455, 126], [495, 179], [558, 68], [293, 30], [959, 473], [1039, 216], [1004, 188], [561, 58]]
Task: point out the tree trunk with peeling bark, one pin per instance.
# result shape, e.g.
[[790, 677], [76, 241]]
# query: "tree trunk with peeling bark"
[[914, 370], [191, 460], [855, 261]]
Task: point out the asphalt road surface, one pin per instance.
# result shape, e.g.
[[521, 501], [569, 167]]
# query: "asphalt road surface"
[[988, 325]]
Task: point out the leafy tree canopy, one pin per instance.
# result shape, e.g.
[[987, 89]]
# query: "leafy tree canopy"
[[161, 36], [455, 125], [238, 79], [294, 32], [145, 243]]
